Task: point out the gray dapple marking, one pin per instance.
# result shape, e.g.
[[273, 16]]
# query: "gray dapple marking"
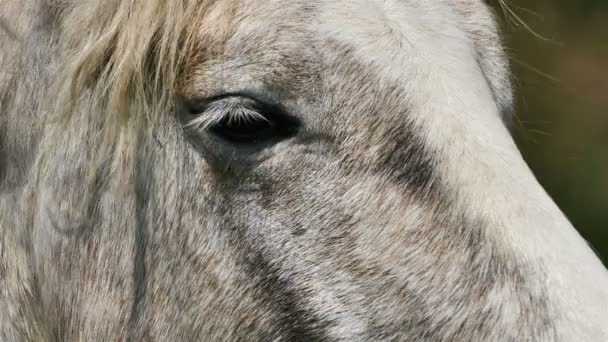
[[387, 202]]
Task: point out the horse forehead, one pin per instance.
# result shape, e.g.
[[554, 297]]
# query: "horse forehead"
[[370, 20], [390, 24], [396, 32], [387, 33], [414, 42]]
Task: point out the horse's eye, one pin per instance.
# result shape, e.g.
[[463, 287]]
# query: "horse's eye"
[[245, 121]]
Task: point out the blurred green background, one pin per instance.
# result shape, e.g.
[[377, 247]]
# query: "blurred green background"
[[561, 123]]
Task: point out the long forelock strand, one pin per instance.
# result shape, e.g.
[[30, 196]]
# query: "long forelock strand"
[[126, 57]]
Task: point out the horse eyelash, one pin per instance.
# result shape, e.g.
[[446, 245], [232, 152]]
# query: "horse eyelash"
[[219, 111]]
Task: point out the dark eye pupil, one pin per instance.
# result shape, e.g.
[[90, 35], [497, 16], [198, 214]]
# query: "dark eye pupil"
[[252, 130]]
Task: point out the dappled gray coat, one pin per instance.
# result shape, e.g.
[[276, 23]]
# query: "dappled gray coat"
[[293, 170]]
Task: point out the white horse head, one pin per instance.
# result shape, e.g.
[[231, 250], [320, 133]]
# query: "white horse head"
[[275, 170]]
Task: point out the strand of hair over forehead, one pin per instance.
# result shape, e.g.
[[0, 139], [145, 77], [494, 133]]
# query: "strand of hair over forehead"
[[126, 57]]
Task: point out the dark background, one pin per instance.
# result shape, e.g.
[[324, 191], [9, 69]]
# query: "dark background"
[[561, 123]]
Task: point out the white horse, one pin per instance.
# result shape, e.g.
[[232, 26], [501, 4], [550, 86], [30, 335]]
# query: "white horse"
[[293, 170]]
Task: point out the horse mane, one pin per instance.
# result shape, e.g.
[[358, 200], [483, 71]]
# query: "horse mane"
[[121, 60], [129, 53]]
